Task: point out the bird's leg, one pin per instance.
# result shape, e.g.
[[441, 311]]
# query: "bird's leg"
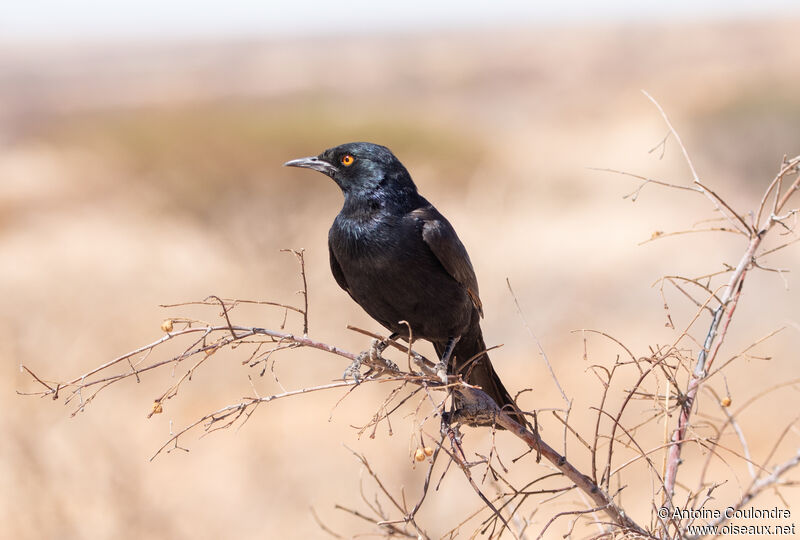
[[441, 367], [371, 356], [421, 362], [450, 430], [377, 348]]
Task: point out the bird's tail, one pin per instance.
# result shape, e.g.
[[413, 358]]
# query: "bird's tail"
[[470, 360]]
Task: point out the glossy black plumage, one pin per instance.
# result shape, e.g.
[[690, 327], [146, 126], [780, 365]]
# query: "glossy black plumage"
[[401, 260]]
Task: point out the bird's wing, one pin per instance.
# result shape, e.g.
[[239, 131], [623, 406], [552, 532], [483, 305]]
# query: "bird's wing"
[[336, 270], [443, 241]]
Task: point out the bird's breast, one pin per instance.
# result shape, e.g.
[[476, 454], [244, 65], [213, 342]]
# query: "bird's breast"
[[357, 239], [392, 273]]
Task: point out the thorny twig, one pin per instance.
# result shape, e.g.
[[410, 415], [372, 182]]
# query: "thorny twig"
[[759, 485], [727, 297], [217, 337], [727, 306], [667, 363]]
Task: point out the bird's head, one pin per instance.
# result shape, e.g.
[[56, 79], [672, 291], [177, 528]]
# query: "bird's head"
[[359, 167]]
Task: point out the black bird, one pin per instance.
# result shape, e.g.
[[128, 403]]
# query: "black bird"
[[401, 260]]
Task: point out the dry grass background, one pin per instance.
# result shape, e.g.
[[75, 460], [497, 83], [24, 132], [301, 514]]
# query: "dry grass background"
[[138, 174]]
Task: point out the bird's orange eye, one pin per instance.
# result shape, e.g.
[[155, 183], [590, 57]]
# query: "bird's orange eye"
[[348, 160]]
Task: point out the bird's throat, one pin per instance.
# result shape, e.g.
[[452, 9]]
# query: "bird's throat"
[[362, 206]]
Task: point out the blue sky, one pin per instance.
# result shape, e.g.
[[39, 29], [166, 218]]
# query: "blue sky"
[[48, 20]]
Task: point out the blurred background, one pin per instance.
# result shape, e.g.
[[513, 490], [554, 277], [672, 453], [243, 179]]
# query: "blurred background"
[[140, 164]]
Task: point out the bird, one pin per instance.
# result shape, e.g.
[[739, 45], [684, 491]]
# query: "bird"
[[401, 260]]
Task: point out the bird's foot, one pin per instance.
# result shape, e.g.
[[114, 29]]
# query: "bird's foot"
[[421, 362], [441, 371], [353, 371], [372, 357], [449, 427], [389, 365], [375, 355]]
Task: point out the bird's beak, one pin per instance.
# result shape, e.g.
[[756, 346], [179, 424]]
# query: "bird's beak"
[[313, 162]]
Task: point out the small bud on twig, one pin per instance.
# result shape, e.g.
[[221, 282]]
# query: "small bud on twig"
[[167, 326]]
